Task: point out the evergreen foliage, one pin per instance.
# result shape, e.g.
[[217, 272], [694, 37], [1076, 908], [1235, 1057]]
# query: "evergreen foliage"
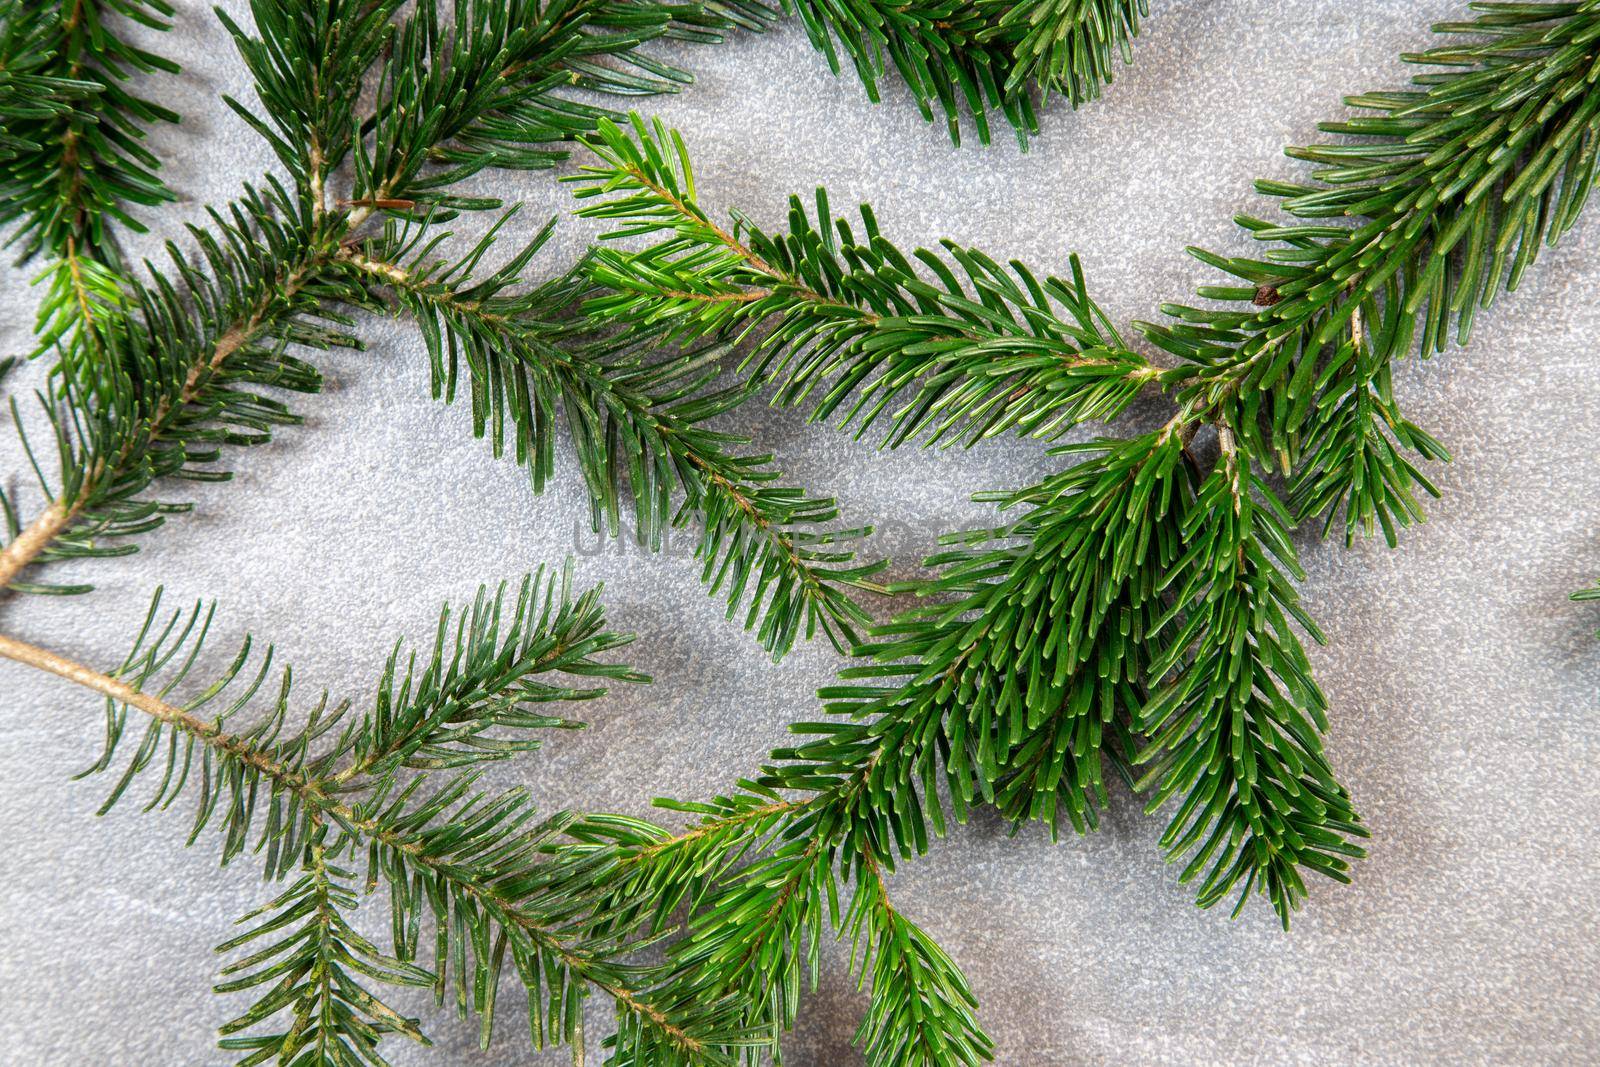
[[396, 787], [1136, 610], [848, 326], [636, 419], [978, 56], [185, 363], [31, 88], [332, 1017], [1142, 609], [74, 164], [1443, 198], [284, 266]]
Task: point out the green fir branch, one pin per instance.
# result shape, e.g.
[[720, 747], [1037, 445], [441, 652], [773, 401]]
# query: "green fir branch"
[[762, 872], [1137, 608], [280, 259], [1143, 607], [939, 50], [1065, 47], [76, 167], [976, 57], [921, 1010], [1235, 724], [1097, 623], [189, 356], [33, 91], [314, 973], [309, 63], [636, 420], [1415, 220], [476, 866], [498, 84], [940, 347]]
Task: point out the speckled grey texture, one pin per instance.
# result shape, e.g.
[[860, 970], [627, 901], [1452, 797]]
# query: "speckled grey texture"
[[1463, 684]]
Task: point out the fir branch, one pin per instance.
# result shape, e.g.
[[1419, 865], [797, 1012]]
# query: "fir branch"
[[179, 383], [749, 938], [1449, 189], [1057, 638], [1143, 593], [978, 56], [309, 62], [758, 935], [921, 1011], [77, 166], [854, 327], [76, 162], [1068, 47], [1019, 711], [334, 1018], [493, 86], [32, 91], [1110, 607], [846, 802], [477, 866], [1236, 724], [636, 424], [944, 52], [766, 548]]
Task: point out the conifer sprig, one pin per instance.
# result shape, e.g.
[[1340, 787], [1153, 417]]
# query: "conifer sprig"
[[1183, 650], [938, 49], [1143, 607], [975, 57], [185, 363], [763, 870], [1139, 608], [281, 260], [314, 972], [976, 699], [328, 789], [1065, 47], [636, 419], [76, 166], [921, 1010], [499, 85], [310, 61], [1104, 620], [1443, 197], [755, 928], [1234, 724], [958, 350], [32, 89]]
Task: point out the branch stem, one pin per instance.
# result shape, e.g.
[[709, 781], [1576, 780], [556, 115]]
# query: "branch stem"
[[34, 539], [58, 516], [313, 793]]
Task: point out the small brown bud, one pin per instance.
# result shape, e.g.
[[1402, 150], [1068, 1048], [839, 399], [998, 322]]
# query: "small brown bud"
[[1265, 296]]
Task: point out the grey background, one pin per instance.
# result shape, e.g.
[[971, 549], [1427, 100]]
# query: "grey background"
[[1462, 681]]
